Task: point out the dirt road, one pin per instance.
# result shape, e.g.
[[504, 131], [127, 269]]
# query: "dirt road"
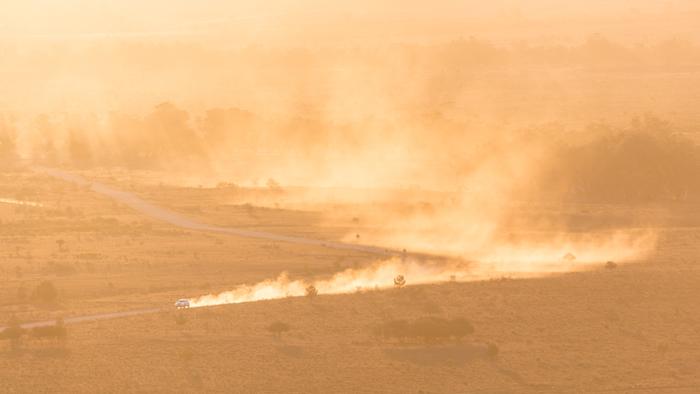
[[176, 219], [182, 221]]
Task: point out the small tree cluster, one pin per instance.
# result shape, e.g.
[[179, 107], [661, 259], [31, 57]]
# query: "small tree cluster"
[[14, 333], [426, 329]]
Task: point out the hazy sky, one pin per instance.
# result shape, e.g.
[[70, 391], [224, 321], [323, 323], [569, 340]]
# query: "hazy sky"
[[305, 22]]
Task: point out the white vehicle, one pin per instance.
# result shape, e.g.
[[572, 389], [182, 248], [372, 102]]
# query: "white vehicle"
[[182, 303]]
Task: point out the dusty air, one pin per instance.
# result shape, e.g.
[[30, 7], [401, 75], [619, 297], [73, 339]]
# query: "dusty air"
[[349, 196]]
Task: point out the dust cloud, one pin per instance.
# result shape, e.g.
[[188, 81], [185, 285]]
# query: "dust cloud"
[[471, 131], [502, 261], [416, 155]]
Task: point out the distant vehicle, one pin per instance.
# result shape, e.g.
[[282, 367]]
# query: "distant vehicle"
[[182, 303]]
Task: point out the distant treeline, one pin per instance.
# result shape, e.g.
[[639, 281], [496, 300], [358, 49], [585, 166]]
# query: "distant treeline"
[[646, 161], [462, 51]]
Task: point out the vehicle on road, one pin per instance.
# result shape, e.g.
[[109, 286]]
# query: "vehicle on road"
[[182, 303]]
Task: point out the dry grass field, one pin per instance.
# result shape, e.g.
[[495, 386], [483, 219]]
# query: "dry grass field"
[[378, 196], [634, 328]]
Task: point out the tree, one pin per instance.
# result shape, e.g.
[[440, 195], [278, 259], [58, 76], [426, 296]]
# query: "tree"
[[311, 291], [45, 293], [171, 136]]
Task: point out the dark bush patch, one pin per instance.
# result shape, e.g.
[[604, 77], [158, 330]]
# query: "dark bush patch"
[[492, 350], [278, 327], [13, 332], [45, 293], [57, 331], [426, 329]]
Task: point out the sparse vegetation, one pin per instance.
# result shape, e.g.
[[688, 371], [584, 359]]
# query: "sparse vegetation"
[[45, 293], [426, 329], [492, 350], [57, 332], [278, 328], [311, 291], [446, 147], [13, 333]]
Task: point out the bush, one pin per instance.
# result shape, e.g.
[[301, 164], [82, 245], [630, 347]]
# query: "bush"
[[278, 327], [12, 332], [492, 350], [311, 291], [460, 328], [57, 331], [426, 329], [397, 329], [611, 265], [45, 293]]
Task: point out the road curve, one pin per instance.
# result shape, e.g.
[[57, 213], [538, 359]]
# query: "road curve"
[[182, 221], [176, 219]]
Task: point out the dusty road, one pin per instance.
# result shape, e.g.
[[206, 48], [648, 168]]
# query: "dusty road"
[[87, 318], [179, 220], [182, 221], [80, 319]]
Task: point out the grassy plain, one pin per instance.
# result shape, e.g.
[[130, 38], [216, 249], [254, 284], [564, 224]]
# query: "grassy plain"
[[634, 328]]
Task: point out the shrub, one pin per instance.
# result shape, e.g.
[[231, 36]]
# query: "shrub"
[[311, 291], [397, 329], [426, 329], [45, 293], [278, 327], [12, 332], [431, 329], [399, 281], [492, 350], [460, 328], [57, 331], [48, 332]]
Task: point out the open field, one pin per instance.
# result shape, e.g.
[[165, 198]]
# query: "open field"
[[628, 329], [455, 196]]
